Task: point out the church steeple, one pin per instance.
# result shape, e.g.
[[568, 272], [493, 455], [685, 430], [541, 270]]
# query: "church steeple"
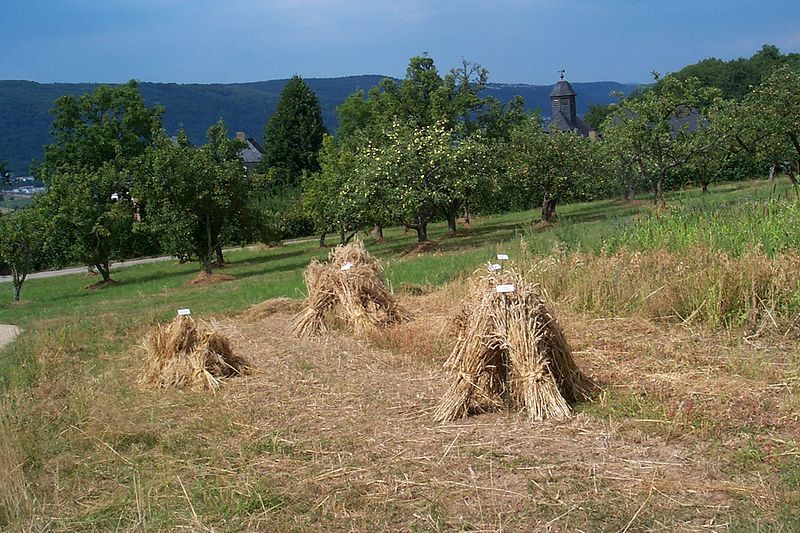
[[562, 100], [564, 111]]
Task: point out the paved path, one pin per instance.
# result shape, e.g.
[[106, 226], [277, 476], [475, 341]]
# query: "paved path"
[[7, 334], [123, 264]]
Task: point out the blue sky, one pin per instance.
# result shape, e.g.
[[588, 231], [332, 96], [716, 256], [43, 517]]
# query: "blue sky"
[[519, 41]]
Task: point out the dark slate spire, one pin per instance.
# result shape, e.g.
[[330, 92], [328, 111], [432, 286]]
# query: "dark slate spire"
[[564, 112], [562, 88]]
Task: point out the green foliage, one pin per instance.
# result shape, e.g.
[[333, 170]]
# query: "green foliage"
[[191, 196], [23, 235], [278, 214], [92, 216], [552, 167], [111, 124], [410, 151], [596, 115], [293, 135], [86, 169], [773, 107], [419, 170], [736, 78], [335, 198], [661, 131]]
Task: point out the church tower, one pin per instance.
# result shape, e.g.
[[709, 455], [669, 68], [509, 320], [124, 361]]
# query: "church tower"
[[564, 111]]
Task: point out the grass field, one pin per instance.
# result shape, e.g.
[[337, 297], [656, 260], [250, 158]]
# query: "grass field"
[[693, 340], [15, 202]]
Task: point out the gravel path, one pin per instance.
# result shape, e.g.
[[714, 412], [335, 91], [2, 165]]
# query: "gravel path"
[[123, 264], [7, 334]]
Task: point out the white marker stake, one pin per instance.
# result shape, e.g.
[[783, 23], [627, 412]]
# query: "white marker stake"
[[505, 288], [347, 266], [184, 312], [502, 257], [494, 268]]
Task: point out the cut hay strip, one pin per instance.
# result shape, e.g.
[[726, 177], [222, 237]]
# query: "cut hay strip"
[[358, 294], [271, 307], [190, 354], [510, 351]]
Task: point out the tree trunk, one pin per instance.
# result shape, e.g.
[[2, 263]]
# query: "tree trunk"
[[422, 233], [790, 172], [549, 208], [630, 193], [18, 280], [422, 227], [105, 270], [705, 188], [467, 218], [322, 239], [378, 232], [452, 213], [205, 262], [658, 196], [220, 257], [772, 168]]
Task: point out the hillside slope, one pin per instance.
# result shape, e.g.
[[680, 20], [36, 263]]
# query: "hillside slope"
[[25, 106]]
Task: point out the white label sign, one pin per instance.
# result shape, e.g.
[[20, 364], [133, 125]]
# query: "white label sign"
[[505, 288], [502, 257], [184, 312], [495, 267], [347, 266]]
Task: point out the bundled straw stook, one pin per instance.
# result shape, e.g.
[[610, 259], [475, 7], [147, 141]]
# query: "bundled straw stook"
[[349, 284], [189, 353], [510, 351]]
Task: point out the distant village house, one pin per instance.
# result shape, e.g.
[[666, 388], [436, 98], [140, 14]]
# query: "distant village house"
[[250, 154]]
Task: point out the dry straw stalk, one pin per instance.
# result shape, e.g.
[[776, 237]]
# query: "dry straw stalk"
[[357, 294], [510, 350], [190, 353]]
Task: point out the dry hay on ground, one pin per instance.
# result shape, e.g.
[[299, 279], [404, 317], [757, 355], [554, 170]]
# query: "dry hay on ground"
[[510, 350], [189, 353], [271, 307], [422, 248], [357, 294], [207, 279]]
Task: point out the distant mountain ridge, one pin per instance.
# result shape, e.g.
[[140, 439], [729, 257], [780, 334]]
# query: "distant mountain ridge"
[[25, 106]]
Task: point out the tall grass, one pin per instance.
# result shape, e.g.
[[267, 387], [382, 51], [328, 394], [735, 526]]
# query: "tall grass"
[[695, 285], [721, 265], [770, 226], [14, 496]]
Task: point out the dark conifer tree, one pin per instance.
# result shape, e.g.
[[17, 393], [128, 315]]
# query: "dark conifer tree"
[[293, 135]]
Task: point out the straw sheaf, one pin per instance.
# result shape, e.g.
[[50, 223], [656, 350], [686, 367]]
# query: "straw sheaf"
[[518, 329], [190, 354], [357, 295]]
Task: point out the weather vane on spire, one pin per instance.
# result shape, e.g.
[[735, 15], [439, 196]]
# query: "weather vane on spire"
[[562, 71]]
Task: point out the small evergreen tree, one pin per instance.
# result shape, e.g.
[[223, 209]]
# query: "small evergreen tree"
[[293, 135]]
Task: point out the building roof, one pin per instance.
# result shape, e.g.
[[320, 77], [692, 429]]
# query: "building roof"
[[562, 122], [562, 88], [252, 153]]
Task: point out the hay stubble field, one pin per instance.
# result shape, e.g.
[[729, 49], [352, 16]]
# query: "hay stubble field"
[[694, 427]]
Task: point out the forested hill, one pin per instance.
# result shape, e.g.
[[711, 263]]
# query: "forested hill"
[[25, 106]]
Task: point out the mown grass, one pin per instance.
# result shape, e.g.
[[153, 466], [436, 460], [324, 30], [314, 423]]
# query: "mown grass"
[[15, 202], [83, 439]]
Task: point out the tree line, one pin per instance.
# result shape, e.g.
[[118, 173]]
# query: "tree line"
[[432, 146]]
